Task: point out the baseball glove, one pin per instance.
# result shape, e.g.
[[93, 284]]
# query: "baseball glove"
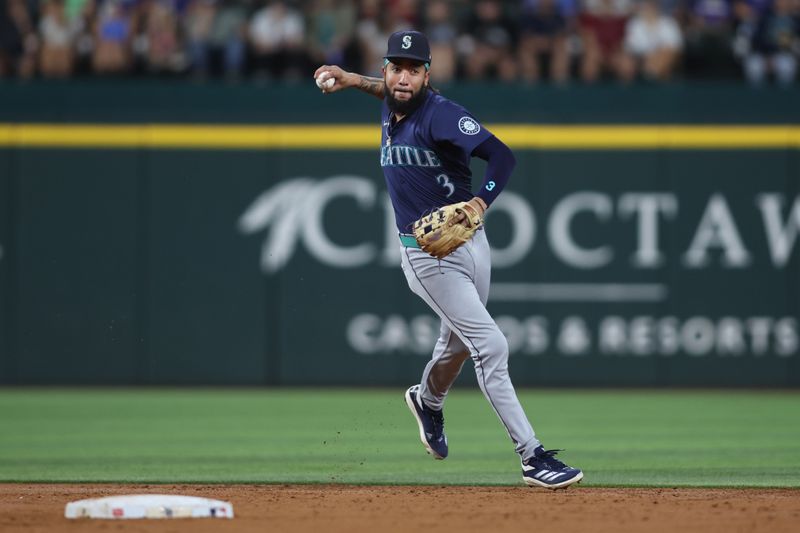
[[441, 232]]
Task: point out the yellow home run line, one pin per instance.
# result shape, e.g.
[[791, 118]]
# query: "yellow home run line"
[[357, 136]]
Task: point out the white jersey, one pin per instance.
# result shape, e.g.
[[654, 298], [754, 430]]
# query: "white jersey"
[[643, 38]]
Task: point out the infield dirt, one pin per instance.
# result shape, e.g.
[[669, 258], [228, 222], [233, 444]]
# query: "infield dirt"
[[27, 508]]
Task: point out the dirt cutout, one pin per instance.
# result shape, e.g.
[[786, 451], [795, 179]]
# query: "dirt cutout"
[[28, 508]]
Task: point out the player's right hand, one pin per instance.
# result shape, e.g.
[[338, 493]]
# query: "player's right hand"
[[342, 80]]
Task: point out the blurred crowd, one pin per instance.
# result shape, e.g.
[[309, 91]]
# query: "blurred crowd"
[[561, 41]]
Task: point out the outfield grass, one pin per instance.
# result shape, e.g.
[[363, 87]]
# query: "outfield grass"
[[629, 438]]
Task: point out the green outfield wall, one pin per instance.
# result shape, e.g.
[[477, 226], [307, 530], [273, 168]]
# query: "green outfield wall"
[[179, 234]]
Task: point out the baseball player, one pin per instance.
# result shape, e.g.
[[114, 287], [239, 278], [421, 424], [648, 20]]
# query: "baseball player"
[[426, 145]]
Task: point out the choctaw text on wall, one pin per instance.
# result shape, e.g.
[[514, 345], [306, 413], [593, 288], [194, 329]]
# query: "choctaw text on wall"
[[626, 257]]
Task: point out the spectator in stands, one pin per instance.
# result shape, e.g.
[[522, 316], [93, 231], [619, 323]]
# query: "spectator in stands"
[[74, 8], [372, 31], [602, 29], [653, 43], [112, 39], [57, 35], [405, 12], [709, 39], [228, 38], [489, 43], [277, 33], [545, 28], [197, 26], [774, 44], [19, 42], [82, 13], [331, 25], [164, 49], [442, 34], [751, 9], [747, 15]]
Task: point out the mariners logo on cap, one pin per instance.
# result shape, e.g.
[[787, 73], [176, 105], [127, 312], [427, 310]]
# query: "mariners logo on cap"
[[468, 126], [408, 44]]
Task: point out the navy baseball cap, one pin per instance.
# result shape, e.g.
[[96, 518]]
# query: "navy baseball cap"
[[408, 45]]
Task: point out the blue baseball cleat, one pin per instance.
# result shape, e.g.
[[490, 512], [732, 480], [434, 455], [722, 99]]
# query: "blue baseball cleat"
[[430, 422], [544, 470]]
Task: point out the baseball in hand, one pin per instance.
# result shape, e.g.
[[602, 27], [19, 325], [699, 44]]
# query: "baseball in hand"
[[325, 81]]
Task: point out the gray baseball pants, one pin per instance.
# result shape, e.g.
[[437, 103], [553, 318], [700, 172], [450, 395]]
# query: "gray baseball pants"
[[457, 288]]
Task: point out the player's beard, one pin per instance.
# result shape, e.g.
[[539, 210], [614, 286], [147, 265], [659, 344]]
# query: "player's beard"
[[404, 107]]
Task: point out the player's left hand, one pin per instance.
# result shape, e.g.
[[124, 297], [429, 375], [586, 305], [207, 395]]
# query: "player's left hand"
[[480, 207], [445, 229]]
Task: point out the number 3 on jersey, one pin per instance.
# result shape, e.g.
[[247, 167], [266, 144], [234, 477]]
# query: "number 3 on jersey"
[[444, 181]]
